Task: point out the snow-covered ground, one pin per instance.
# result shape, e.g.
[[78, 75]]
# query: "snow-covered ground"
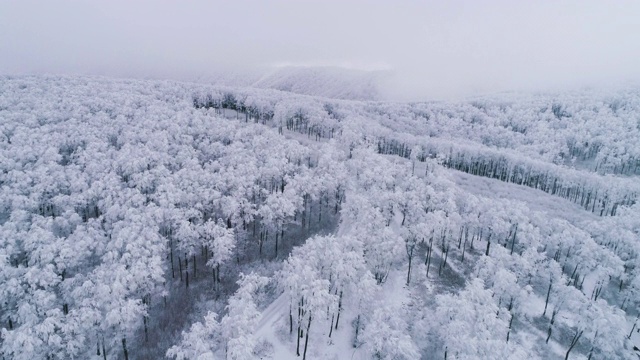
[[535, 200]]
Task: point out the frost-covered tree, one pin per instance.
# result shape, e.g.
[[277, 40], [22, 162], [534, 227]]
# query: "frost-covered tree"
[[386, 336], [242, 318], [472, 326], [200, 342]]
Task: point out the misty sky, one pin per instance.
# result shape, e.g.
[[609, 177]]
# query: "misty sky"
[[434, 49]]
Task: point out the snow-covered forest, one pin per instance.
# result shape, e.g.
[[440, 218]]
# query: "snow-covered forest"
[[146, 219]]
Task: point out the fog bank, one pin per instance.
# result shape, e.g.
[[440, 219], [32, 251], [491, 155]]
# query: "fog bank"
[[430, 50]]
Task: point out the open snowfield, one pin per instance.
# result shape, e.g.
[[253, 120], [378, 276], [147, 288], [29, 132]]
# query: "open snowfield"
[[534, 199]]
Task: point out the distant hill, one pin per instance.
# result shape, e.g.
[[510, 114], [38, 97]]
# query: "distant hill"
[[325, 81]]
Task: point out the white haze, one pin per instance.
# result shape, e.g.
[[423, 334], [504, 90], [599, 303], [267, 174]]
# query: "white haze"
[[432, 50]]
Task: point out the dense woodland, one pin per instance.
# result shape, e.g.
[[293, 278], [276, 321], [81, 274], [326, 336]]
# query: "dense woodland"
[[142, 219]]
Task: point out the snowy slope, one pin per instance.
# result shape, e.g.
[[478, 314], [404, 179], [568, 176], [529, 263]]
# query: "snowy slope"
[[324, 81], [330, 82], [535, 200]]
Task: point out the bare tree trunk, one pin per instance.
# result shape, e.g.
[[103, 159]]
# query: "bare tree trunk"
[[331, 327], [429, 252], [551, 322], [488, 244], [173, 274], [633, 328], [146, 329], [574, 341], [513, 239], [306, 339], [510, 324], [444, 261], [546, 302], [298, 341], [357, 330], [339, 309], [124, 347], [299, 333], [410, 254]]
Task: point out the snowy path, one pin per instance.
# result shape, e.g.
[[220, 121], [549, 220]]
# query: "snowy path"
[[268, 327], [340, 346], [272, 313]]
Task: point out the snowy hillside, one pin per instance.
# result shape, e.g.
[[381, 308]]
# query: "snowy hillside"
[[157, 219], [331, 82], [326, 81]]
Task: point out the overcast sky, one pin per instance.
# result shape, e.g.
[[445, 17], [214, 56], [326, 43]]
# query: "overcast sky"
[[433, 49]]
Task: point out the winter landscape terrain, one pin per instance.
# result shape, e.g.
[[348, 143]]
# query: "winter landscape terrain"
[[144, 219]]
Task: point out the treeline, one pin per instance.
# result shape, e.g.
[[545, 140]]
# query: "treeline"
[[303, 115], [602, 195]]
